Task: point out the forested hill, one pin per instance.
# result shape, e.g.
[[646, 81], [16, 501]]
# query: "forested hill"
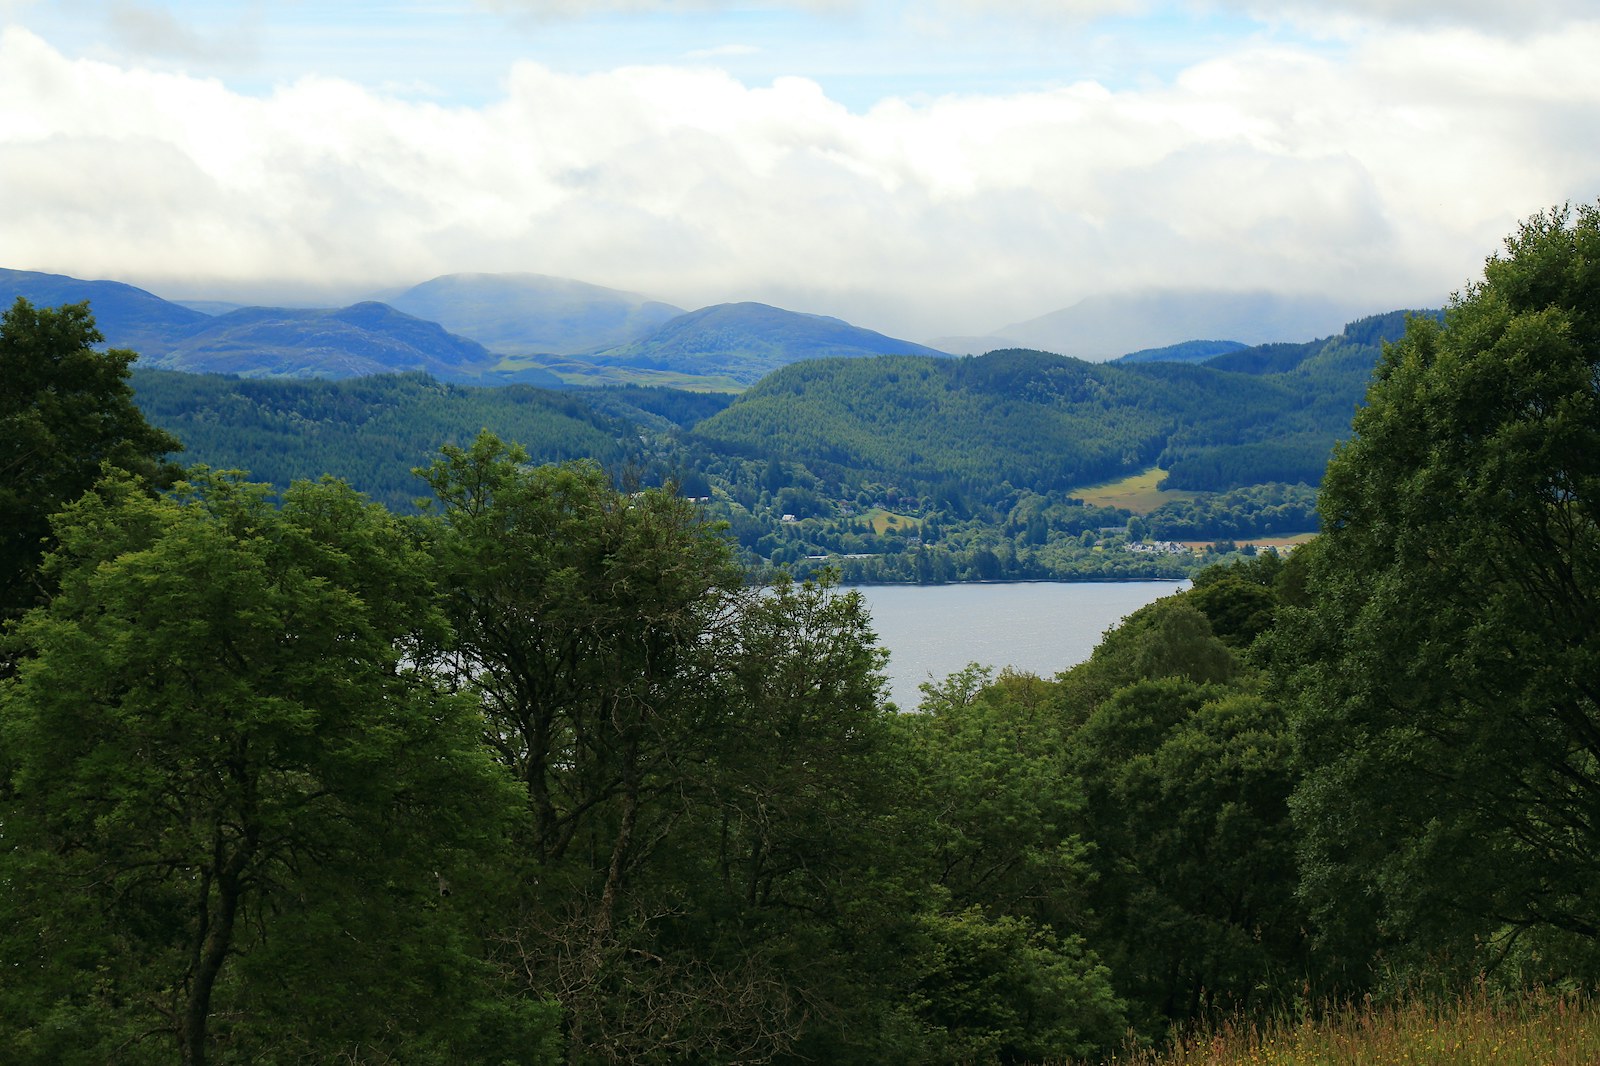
[[1029, 418], [955, 430], [1356, 344], [1051, 422], [981, 462], [1327, 379], [373, 431]]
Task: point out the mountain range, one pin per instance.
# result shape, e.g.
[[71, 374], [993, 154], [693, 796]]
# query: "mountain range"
[[1104, 327], [738, 343], [539, 330]]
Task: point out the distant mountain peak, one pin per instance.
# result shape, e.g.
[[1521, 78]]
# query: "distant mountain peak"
[[526, 313], [748, 340], [1108, 325]]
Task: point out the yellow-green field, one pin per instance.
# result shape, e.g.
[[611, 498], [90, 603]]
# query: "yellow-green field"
[[578, 372], [1138, 492], [1260, 542], [1535, 1029], [1282, 542], [882, 521]]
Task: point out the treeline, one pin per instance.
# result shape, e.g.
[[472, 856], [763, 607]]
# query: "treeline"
[[1257, 511]]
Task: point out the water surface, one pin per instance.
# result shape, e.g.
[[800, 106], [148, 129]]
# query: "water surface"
[[1041, 627]]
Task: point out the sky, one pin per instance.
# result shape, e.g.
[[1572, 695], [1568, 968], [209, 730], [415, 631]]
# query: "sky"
[[924, 169]]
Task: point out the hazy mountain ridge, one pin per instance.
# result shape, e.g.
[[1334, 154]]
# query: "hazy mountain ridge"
[[520, 314], [129, 317], [1110, 325], [735, 342], [355, 341], [742, 341]]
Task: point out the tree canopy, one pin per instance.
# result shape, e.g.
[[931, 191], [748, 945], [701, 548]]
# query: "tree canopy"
[[232, 792], [65, 412], [1449, 660]]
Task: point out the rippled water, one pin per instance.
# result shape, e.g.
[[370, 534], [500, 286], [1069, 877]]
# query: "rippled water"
[[1040, 627]]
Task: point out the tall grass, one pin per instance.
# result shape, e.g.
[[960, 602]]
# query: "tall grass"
[[1480, 1029]]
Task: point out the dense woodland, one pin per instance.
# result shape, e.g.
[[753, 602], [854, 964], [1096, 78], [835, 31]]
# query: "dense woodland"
[[537, 774]]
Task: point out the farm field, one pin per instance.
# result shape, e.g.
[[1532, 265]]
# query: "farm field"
[[1136, 492]]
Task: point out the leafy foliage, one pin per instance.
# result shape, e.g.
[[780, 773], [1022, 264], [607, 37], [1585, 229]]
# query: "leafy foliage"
[[66, 411], [1446, 664], [220, 754], [618, 805]]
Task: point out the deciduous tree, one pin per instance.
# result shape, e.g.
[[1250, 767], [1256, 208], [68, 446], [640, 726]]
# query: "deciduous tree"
[[1449, 661], [234, 798]]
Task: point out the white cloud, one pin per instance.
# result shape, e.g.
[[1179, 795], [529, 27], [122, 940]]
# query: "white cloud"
[[1380, 176]]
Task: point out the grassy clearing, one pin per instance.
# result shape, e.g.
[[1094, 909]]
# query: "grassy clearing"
[[1261, 542], [882, 521], [578, 372], [1536, 1029], [1282, 542], [1137, 492]]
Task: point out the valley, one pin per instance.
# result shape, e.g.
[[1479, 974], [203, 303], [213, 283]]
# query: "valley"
[[814, 443]]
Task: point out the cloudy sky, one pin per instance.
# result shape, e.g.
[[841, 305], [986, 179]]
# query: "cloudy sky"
[[924, 169]]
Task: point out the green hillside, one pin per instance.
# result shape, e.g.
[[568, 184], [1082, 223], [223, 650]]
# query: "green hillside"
[[744, 341], [1020, 417], [370, 431], [1327, 380], [985, 458], [1183, 352]]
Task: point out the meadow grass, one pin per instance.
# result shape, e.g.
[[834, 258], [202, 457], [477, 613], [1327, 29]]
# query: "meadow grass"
[[1136, 492], [1534, 1029], [882, 520], [580, 372]]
